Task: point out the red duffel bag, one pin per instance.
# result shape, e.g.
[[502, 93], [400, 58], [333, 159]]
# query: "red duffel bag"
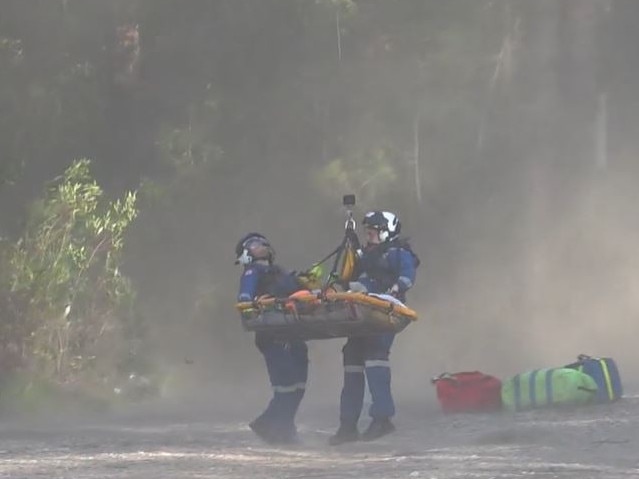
[[471, 391]]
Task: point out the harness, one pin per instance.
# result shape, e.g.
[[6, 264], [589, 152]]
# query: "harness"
[[273, 282], [347, 265], [373, 265]]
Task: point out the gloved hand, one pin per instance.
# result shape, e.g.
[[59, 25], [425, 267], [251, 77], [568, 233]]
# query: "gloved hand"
[[394, 290], [258, 299], [312, 278], [357, 287]]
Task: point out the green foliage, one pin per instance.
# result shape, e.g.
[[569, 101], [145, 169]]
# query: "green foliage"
[[65, 275], [234, 109], [11, 55], [32, 394], [189, 146], [47, 108], [368, 174], [188, 153]]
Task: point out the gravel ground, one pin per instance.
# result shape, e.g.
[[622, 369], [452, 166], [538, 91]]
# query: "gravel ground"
[[153, 442]]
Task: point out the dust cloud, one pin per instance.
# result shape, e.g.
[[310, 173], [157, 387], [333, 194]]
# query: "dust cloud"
[[528, 239], [527, 261], [508, 301]]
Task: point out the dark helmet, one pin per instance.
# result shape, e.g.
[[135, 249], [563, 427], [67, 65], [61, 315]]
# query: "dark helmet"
[[385, 222], [251, 247]]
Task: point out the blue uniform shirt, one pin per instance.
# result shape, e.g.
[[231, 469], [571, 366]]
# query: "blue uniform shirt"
[[260, 278], [384, 265]]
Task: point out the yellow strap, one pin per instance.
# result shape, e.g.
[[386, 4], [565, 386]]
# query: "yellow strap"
[[357, 298], [604, 366], [348, 264]]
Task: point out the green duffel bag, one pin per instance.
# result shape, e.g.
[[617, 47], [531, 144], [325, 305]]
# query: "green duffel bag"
[[548, 387]]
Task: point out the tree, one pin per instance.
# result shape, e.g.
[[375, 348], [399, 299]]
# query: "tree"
[[66, 291]]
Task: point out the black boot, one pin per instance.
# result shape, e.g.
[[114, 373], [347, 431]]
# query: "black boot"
[[378, 427], [274, 433], [345, 433], [263, 430]]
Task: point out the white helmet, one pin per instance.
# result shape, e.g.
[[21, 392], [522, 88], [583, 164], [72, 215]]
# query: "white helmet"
[[386, 223]]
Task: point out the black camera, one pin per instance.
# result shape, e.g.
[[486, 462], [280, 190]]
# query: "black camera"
[[348, 200]]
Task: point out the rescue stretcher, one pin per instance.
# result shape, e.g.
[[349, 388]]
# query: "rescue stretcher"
[[309, 315]]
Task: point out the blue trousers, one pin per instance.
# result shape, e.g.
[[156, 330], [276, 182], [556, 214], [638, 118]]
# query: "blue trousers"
[[366, 359], [287, 366]]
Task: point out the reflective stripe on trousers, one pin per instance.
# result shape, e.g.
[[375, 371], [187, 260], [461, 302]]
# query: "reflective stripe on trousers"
[[287, 366], [367, 355]]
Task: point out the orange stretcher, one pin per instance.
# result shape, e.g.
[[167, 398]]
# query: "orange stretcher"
[[307, 315]]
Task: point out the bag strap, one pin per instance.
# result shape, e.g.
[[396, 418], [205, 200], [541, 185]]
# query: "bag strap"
[[581, 358], [517, 391], [449, 376], [454, 376], [549, 386], [532, 387]]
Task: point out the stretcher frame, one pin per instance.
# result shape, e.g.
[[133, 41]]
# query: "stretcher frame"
[[325, 316]]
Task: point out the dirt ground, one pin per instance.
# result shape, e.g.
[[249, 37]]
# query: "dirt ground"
[[158, 441]]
